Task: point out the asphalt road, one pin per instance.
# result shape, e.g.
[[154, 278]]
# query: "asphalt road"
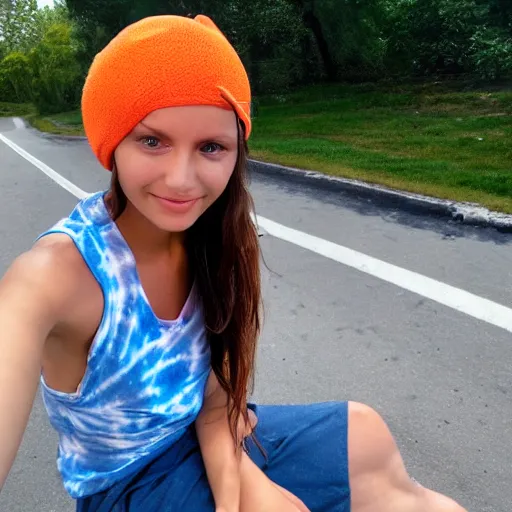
[[440, 377]]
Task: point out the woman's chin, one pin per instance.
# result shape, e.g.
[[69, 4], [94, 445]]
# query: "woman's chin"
[[174, 223]]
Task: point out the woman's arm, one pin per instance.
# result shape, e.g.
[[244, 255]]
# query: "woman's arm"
[[31, 299], [221, 459]]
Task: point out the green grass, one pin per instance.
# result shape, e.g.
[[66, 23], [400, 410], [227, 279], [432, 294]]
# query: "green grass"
[[15, 109], [425, 139], [67, 123]]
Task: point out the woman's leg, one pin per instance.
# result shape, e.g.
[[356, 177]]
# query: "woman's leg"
[[313, 452], [260, 494], [378, 478], [340, 457], [306, 448], [294, 500]]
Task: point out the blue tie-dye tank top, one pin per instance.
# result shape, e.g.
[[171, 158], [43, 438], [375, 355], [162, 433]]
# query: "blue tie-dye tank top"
[[145, 377]]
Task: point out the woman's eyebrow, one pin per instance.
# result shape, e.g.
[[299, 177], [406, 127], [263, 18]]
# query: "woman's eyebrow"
[[158, 132]]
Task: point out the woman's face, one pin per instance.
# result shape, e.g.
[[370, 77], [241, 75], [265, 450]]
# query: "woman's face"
[[176, 162]]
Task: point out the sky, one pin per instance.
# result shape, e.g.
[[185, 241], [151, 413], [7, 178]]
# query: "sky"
[[42, 3]]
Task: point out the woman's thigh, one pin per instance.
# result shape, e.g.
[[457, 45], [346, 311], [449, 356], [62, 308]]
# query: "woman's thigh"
[[307, 452]]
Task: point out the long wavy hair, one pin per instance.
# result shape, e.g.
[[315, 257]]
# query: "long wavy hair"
[[223, 250]]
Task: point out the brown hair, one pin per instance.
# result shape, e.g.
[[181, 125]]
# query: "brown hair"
[[224, 255]]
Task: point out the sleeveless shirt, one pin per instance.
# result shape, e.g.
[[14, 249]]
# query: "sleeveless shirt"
[[145, 377]]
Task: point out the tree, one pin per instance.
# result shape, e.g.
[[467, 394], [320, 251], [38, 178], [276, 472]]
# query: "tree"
[[347, 34], [432, 36], [268, 34], [97, 21], [56, 80], [46, 17], [17, 24], [273, 43], [449, 36], [312, 22], [286, 42], [491, 52]]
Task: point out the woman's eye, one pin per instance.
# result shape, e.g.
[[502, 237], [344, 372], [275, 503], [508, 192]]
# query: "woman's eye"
[[150, 142], [211, 147]]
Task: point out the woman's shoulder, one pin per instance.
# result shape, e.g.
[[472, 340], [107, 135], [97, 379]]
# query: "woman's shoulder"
[[56, 252], [52, 267], [47, 284]]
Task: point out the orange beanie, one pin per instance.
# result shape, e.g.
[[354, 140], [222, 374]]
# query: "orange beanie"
[[158, 62]]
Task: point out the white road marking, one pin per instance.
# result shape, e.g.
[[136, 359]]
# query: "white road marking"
[[455, 298], [20, 125], [55, 176]]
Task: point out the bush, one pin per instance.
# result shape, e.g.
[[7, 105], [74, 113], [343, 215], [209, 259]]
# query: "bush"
[[6, 89], [15, 78]]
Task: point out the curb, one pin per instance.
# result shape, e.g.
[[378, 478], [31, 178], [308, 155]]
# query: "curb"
[[464, 213]]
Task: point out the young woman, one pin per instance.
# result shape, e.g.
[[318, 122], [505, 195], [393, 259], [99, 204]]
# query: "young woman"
[[139, 313]]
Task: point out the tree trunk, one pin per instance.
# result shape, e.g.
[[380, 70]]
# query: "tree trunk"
[[313, 23]]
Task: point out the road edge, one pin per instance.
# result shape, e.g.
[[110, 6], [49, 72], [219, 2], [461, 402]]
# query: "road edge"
[[465, 213]]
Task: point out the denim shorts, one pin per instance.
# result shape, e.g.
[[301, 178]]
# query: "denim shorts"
[[306, 453]]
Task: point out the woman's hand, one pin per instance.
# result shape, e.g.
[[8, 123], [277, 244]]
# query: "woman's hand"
[[260, 494]]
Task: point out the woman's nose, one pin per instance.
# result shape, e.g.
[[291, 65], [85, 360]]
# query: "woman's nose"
[[179, 169]]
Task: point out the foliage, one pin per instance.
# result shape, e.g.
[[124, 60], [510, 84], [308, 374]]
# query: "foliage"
[[17, 25], [274, 45], [42, 67], [449, 36], [46, 17], [268, 34], [283, 43], [491, 52], [56, 70], [15, 77], [347, 34]]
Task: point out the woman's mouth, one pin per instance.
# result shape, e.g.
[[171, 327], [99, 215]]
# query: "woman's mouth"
[[176, 205]]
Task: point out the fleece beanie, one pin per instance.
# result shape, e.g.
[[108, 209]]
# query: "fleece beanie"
[[158, 62]]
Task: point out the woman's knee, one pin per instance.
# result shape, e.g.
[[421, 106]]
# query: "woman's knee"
[[371, 446], [377, 473]]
